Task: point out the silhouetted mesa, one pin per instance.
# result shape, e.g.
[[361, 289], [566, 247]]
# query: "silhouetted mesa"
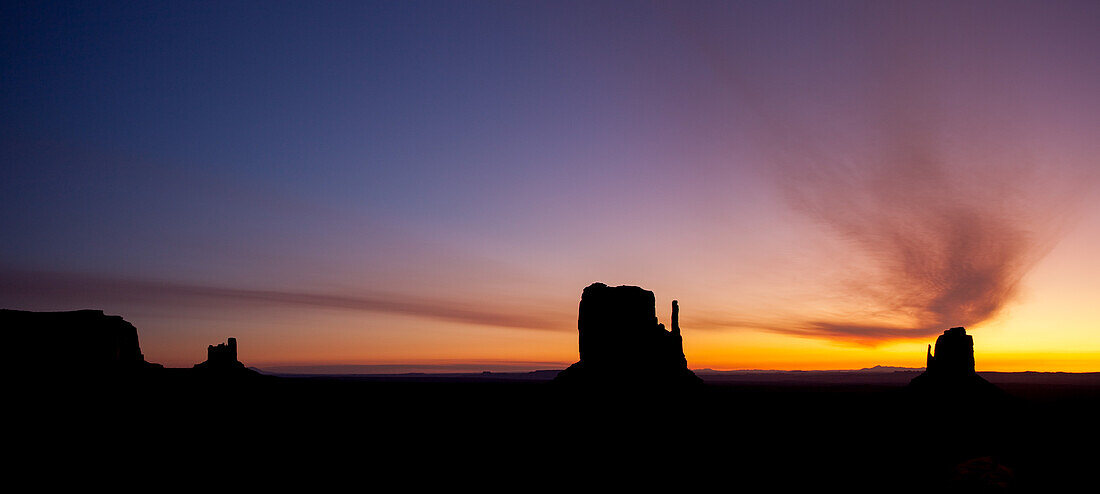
[[221, 357], [621, 340], [79, 343], [952, 366]]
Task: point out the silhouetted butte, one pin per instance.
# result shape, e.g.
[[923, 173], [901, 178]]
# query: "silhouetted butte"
[[951, 369], [222, 357], [622, 343]]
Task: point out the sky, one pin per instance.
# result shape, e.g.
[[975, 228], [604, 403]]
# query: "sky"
[[430, 185]]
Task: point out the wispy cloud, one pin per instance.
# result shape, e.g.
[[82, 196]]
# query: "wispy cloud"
[[943, 243], [940, 202]]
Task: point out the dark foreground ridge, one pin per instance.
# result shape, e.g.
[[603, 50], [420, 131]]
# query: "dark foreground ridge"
[[950, 371], [622, 343]]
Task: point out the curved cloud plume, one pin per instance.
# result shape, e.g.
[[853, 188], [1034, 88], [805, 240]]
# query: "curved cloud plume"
[[947, 243]]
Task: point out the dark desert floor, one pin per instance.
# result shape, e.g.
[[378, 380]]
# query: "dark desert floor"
[[500, 431]]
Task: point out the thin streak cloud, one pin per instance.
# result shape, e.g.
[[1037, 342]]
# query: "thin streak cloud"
[[80, 289]]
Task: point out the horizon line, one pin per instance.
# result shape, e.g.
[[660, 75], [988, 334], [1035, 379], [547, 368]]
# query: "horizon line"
[[444, 369]]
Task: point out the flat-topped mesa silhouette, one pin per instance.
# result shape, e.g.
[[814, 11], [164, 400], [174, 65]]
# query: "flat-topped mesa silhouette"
[[80, 343], [621, 341], [951, 368], [221, 357]]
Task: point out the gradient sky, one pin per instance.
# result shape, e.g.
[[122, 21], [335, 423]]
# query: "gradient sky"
[[821, 185]]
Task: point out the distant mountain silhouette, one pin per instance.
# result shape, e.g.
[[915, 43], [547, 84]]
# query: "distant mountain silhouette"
[[878, 369], [951, 369], [622, 342], [74, 343]]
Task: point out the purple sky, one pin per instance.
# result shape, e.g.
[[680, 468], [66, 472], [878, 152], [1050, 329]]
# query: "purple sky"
[[424, 181]]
